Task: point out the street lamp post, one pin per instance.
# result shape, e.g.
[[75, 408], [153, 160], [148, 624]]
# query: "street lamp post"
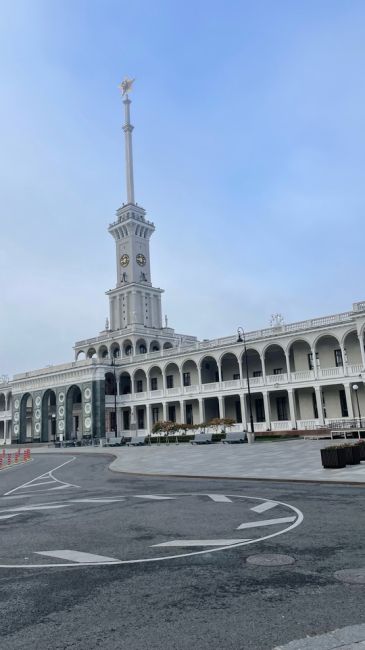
[[242, 339], [115, 398], [53, 427], [355, 388]]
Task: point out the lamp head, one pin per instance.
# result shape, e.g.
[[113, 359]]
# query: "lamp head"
[[355, 387]]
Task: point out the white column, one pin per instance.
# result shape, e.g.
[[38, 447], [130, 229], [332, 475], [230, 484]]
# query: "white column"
[[219, 372], [287, 365], [315, 363], [350, 407], [344, 359], [267, 410], [148, 419], [262, 358], [318, 393], [293, 418], [201, 410], [361, 342], [244, 411], [182, 412], [164, 411], [221, 406], [119, 421], [128, 128]]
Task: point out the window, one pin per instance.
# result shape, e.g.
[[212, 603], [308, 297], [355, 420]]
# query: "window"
[[314, 403], [153, 383], [216, 375], [237, 406], [139, 386], [257, 373], [343, 403], [259, 409], [140, 418], [236, 375], [310, 360], [170, 381], [125, 420], [338, 358], [278, 371], [172, 413], [189, 414], [142, 349], [186, 379], [281, 408], [155, 411], [128, 350]]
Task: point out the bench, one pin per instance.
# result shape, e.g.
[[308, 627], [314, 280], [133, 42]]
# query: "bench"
[[202, 439], [136, 441], [233, 437]]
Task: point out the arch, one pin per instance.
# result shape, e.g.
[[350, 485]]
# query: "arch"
[[81, 356], [115, 350], [2, 402], [167, 345], [230, 368], [254, 363], [190, 373], [172, 375], [128, 350], [48, 429], [274, 359], [125, 384], [300, 355], [103, 352], [139, 381], [73, 412], [155, 346], [155, 378], [209, 370], [110, 384], [328, 351], [351, 345], [141, 346], [91, 353], [26, 417]]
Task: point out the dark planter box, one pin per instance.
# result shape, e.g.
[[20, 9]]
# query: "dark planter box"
[[333, 458], [362, 451], [352, 454]]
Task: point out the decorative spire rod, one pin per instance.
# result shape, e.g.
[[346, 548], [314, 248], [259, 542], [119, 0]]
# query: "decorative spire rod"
[[125, 87]]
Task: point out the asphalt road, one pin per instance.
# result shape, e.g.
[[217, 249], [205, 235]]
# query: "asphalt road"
[[94, 559]]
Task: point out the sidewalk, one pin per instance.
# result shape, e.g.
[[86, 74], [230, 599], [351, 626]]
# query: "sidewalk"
[[297, 460]]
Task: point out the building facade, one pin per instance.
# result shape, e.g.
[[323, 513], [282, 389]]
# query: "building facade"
[[139, 370]]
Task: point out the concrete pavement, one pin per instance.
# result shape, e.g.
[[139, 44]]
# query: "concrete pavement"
[[295, 460]]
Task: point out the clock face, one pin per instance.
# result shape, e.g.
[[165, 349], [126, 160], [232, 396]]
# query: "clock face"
[[124, 260], [140, 259]]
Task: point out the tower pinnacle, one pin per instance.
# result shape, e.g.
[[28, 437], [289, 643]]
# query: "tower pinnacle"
[[125, 87]]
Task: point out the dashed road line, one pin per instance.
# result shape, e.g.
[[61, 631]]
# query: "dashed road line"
[[262, 507], [266, 522], [157, 497], [186, 543], [77, 556], [219, 498]]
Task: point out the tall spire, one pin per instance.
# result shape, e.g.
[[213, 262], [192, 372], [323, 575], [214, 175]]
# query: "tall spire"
[[125, 87]]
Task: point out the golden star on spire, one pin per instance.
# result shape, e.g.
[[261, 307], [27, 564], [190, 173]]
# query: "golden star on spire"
[[126, 85]]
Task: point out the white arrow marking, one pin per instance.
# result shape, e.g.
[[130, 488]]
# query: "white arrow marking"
[[151, 496], [202, 542], [267, 522], [95, 500], [262, 507], [219, 498], [76, 556]]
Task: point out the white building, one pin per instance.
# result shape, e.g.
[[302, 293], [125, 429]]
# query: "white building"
[[301, 375]]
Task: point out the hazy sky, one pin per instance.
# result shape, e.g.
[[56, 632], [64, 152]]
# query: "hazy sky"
[[249, 148]]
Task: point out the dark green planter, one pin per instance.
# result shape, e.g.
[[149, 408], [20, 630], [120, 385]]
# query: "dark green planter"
[[362, 451], [352, 454], [333, 457]]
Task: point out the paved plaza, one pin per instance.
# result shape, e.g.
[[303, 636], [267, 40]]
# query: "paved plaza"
[[295, 460]]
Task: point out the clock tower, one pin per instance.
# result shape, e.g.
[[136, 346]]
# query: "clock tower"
[[134, 301]]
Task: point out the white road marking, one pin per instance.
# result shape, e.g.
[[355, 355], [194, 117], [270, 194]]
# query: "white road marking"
[[201, 542], [152, 496], [77, 556], [219, 498], [35, 507], [106, 500], [45, 475], [8, 516], [262, 507], [267, 522]]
